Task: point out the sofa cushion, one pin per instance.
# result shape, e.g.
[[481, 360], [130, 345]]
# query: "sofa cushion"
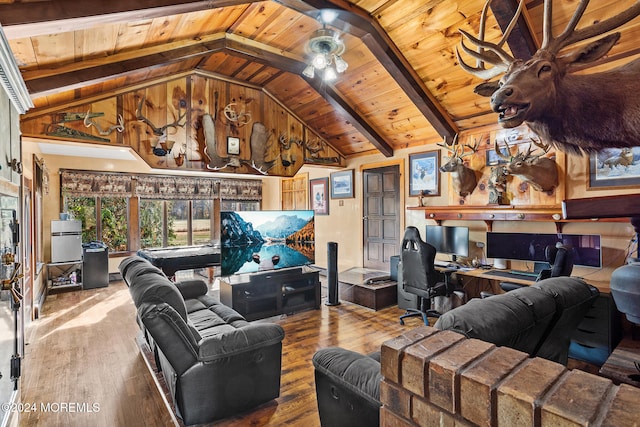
[[152, 286], [192, 288], [517, 319], [207, 323]]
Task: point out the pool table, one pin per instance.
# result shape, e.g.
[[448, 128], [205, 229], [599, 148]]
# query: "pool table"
[[176, 258]]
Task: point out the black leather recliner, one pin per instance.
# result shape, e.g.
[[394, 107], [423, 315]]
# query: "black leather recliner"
[[214, 362]]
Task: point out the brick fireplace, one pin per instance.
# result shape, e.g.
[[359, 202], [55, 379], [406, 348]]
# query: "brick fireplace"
[[440, 378]]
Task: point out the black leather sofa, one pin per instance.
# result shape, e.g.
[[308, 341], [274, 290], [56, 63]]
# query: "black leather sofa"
[[538, 320], [214, 362]]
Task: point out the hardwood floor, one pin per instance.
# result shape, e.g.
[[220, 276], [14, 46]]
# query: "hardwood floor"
[[83, 351]]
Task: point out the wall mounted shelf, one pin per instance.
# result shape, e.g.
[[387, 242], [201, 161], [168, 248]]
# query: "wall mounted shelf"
[[489, 214]]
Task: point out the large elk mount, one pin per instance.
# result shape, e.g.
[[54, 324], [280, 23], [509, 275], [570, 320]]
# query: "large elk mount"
[[576, 113], [247, 132]]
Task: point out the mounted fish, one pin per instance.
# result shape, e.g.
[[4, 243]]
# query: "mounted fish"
[[464, 179], [260, 148], [539, 172], [576, 113]]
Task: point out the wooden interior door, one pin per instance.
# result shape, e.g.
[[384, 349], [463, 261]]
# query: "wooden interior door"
[[381, 216], [295, 195]]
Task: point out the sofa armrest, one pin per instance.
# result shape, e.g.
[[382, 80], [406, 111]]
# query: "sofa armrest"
[[354, 371], [242, 340], [191, 289]]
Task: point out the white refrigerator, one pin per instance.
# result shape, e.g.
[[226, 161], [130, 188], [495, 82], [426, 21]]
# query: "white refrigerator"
[[66, 240]]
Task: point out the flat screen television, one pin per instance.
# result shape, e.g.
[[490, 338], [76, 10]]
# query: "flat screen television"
[[253, 241], [531, 247], [451, 240]]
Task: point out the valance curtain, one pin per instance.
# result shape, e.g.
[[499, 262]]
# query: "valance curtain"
[[89, 184]]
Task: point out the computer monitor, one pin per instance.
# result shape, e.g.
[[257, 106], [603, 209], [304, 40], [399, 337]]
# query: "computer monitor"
[[531, 247], [451, 240]]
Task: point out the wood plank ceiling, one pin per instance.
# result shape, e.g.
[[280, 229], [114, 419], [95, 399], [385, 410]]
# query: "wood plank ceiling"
[[403, 86]]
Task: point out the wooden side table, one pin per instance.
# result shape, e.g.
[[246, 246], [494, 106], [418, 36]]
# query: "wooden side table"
[[620, 366]]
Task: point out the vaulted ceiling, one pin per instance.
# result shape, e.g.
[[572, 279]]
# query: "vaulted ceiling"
[[404, 86]]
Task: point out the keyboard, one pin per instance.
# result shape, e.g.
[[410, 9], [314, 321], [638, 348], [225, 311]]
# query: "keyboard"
[[511, 275], [439, 263]]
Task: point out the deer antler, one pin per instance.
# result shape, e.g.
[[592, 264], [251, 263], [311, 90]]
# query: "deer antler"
[[494, 54], [570, 35], [454, 144], [499, 153], [88, 122], [474, 149], [156, 130]]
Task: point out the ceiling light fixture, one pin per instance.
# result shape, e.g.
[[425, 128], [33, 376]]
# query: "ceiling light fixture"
[[326, 50]]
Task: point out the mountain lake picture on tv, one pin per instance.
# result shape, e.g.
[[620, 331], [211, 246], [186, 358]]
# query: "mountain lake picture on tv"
[[254, 241]]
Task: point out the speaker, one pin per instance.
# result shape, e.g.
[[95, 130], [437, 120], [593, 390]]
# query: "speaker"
[[332, 273], [393, 267]]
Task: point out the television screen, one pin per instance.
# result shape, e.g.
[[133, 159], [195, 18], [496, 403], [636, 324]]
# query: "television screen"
[[448, 239], [531, 247], [253, 241]]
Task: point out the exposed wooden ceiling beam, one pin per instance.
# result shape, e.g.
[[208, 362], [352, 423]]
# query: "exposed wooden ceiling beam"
[[72, 76], [522, 42], [356, 21], [23, 20], [28, 19]]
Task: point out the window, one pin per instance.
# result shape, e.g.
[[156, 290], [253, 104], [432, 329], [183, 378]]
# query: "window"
[[178, 222], [113, 226], [84, 209], [151, 223], [114, 223], [201, 220]]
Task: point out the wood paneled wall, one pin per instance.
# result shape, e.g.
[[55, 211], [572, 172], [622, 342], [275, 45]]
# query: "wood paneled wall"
[[290, 144]]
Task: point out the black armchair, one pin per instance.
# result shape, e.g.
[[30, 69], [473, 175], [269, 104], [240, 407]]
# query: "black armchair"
[[419, 276], [560, 259]]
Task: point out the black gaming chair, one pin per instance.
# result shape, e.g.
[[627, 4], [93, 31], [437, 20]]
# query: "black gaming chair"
[[419, 276], [559, 257]]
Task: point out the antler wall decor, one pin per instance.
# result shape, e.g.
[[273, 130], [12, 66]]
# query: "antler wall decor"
[[158, 131], [88, 122], [577, 113]]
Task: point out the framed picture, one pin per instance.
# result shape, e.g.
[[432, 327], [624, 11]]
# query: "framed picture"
[[424, 174], [614, 167], [319, 195], [233, 145], [342, 184]]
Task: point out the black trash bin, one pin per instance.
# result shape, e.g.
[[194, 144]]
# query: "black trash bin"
[[95, 265]]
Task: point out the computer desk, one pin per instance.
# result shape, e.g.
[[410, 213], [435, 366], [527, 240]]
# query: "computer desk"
[[476, 280]]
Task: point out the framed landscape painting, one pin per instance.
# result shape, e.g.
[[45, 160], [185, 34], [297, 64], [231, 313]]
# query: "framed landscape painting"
[[342, 184], [424, 174], [319, 195], [614, 168]]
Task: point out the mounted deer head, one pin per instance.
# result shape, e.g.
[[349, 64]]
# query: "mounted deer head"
[[575, 113], [464, 179], [539, 172]]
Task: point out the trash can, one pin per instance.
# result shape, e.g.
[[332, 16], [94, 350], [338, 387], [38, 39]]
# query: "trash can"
[[95, 265]]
